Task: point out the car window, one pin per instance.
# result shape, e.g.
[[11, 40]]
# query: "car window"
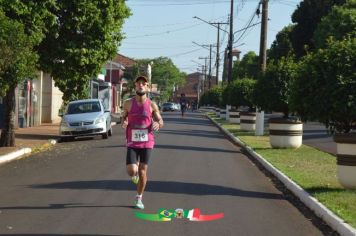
[[84, 107]]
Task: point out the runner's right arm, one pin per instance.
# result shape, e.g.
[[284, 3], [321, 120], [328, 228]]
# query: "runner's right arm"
[[125, 113]]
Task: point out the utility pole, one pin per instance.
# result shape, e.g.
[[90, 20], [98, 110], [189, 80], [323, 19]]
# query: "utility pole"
[[263, 58], [217, 51], [231, 40], [210, 68], [263, 42], [205, 70], [217, 43]]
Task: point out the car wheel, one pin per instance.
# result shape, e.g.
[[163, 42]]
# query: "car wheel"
[[110, 132], [105, 135], [66, 139]]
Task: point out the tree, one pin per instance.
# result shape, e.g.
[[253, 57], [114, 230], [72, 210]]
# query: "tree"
[[22, 27], [273, 89], [325, 87], [212, 97], [341, 21], [165, 74], [247, 67], [282, 45], [306, 18], [241, 92], [87, 34]]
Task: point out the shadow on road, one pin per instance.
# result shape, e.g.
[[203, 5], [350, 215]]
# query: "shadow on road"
[[60, 234], [60, 206], [193, 148], [197, 133], [160, 187]]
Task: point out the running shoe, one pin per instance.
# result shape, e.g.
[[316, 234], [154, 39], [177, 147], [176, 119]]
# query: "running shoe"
[[135, 179], [139, 204]]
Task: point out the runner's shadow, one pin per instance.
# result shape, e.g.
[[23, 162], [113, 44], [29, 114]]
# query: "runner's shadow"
[[60, 234], [194, 148], [174, 187], [62, 206]]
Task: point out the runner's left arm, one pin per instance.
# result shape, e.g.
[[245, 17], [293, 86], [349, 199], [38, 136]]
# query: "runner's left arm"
[[157, 118]]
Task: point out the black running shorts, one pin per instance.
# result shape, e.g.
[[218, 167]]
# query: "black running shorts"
[[138, 154]]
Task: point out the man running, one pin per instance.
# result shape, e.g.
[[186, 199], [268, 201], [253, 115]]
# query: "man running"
[[140, 118], [183, 103]]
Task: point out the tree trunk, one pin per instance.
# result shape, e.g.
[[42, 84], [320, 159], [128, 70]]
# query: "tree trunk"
[[8, 133]]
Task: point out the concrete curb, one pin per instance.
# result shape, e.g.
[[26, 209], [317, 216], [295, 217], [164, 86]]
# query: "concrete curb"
[[319, 209], [14, 155], [20, 153]]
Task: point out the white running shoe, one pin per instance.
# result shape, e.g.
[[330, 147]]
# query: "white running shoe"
[[139, 204]]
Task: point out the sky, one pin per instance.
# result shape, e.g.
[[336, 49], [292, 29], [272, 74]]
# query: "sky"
[[167, 28]]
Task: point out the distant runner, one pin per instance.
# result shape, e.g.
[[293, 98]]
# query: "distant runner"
[[183, 103]]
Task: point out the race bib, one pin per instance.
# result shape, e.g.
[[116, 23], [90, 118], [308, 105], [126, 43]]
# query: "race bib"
[[140, 135]]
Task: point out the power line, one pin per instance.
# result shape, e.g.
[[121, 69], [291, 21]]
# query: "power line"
[[178, 4]]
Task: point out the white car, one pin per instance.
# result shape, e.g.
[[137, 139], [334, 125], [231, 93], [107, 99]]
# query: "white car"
[[85, 118]]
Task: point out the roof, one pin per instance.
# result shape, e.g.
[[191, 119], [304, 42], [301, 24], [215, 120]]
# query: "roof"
[[123, 60], [85, 100]]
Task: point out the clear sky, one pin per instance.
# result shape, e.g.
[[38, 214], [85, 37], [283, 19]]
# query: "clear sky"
[[167, 28]]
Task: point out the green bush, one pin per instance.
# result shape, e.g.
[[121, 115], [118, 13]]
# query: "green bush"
[[325, 87], [341, 21], [212, 97], [240, 92], [273, 89]]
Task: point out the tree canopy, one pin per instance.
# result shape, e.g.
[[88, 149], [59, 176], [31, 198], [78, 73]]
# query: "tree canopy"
[[282, 45], [325, 87], [306, 18], [87, 34], [247, 67], [17, 58], [164, 73], [340, 22], [273, 89]]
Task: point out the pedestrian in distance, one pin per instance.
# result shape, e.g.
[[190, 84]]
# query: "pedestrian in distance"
[[183, 104], [140, 118]]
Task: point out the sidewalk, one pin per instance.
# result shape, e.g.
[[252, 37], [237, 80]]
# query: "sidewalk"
[[32, 137]]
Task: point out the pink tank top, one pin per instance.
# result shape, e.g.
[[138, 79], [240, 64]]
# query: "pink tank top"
[[139, 132]]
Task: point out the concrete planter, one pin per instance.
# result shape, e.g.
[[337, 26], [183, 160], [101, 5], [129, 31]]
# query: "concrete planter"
[[285, 133], [222, 113], [248, 121], [234, 116], [217, 111], [346, 159]]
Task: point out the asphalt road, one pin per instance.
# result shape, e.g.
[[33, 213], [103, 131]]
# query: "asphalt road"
[[81, 188]]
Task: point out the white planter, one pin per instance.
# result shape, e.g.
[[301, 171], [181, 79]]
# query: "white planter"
[[248, 121], [217, 111], [346, 159], [234, 116], [285, 133], [222, 113]]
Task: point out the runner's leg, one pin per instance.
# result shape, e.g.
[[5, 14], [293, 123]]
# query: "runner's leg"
[[131, 162]]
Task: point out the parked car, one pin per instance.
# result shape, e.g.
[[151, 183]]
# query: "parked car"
[[176, 106], [85, 118], [168, 106]]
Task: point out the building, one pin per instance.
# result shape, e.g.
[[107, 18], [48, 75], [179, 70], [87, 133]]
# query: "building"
[[193, 87], [37, 101]]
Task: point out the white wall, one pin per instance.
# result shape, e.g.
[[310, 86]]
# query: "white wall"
[[51, 100]]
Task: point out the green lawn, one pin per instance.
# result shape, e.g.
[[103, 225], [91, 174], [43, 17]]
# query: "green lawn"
[[313, 170]]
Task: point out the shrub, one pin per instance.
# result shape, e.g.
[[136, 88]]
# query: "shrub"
[[240, 93], [325, 87], [273, 89]]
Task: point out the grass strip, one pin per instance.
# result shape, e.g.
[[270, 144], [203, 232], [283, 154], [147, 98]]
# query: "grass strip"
[[313, 170]]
